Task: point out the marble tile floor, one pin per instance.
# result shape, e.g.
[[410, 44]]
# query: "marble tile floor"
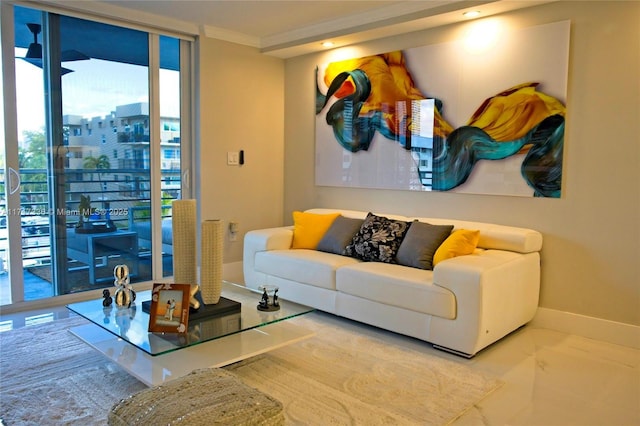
[[550, 378]]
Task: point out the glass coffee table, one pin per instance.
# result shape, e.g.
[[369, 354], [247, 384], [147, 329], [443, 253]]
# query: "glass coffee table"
[[154, 358]]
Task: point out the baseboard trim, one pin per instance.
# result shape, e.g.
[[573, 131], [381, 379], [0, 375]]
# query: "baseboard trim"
[[590, 327]]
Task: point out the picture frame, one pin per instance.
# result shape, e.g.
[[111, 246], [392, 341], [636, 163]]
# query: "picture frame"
[[169, 312]]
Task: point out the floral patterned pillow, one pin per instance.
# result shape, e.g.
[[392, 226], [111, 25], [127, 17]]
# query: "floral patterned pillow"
[[378, 239]]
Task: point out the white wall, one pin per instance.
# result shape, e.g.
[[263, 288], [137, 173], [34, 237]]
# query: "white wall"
[[591, 254], [241, 108]]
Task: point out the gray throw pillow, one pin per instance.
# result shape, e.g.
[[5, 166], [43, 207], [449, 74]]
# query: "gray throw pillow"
[[378, 239], [339, 234], [420, 244]]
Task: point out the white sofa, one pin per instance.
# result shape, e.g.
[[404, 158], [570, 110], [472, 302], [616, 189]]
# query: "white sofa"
[[463, 305]]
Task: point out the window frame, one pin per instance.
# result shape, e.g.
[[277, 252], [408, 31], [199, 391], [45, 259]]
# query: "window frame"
[[9, 130]]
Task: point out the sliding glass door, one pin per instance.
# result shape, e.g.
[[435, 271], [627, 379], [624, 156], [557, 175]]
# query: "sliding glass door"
[[97, 144]]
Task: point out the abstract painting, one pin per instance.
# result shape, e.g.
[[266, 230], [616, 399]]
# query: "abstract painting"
[[448, 118]]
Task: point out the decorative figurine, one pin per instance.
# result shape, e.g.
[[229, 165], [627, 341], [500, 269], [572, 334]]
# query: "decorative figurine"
[[107, 299], [269, 300], [124, 293], [264, 302]]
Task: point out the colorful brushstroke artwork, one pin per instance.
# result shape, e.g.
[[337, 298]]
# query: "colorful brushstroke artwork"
[[512, 139]]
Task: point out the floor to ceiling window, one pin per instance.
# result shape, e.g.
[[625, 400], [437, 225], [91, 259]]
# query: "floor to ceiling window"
[[91, 154]]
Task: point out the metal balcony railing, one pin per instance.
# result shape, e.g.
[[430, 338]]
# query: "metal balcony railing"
[[99, 185], [127, 137]]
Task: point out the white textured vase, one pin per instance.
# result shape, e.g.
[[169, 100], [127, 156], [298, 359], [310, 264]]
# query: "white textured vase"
[[211, 264], [184, 230]]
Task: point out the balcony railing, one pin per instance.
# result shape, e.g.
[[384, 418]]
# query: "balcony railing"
[[37, 216], [127, 137], [131, 165]]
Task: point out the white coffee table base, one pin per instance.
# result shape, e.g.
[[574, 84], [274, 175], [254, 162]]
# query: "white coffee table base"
[[155, 370]]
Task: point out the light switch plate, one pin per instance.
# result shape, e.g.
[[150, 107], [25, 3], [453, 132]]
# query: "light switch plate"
[[233, 158]]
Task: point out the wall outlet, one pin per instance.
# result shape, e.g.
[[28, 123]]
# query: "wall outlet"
[[233, 231]]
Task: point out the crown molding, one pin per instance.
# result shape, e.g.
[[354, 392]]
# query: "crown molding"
[[393, 21], [232, 36], [382, 17], [117, 14], [385, 21]]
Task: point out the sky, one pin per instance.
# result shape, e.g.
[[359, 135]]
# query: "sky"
[[94, 89]]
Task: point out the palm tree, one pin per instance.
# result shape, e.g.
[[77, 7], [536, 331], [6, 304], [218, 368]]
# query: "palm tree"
[[98, 163]]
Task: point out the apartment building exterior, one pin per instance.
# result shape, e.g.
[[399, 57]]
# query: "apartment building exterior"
[[122, 138]]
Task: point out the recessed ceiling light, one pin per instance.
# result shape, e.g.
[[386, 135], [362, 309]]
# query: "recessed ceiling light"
[[471, 14], [327, 44]]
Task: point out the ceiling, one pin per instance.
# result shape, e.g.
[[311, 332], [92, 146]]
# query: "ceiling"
[[291, 28]]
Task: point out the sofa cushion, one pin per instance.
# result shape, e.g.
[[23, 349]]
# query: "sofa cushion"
[[340, 234], [420, 244], [309, 267], [461, 242], [378, 239], [396, 285], [308, 228]]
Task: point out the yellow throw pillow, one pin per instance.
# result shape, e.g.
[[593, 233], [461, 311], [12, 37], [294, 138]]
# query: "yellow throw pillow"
[[309, 228], [459, 243]]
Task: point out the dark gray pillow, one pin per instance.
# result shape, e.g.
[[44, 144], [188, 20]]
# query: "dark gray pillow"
[[339, 234], [420, 244]]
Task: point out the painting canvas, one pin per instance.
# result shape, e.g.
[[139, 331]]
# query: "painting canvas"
[[448, 117]]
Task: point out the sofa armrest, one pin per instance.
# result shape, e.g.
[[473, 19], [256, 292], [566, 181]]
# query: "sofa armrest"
[[262, 240], [496, 292]]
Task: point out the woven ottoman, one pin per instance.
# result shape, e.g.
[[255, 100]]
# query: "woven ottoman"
[[204, 397]]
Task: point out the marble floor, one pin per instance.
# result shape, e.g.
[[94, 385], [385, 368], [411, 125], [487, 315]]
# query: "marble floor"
[[550, 378]]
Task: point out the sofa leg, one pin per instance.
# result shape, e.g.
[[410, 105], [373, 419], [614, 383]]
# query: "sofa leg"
[[453, 351]]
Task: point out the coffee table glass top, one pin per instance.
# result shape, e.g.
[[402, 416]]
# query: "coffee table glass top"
[[131, 324]]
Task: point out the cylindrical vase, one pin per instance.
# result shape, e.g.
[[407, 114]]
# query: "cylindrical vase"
[[184, 229], [211, 264]]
